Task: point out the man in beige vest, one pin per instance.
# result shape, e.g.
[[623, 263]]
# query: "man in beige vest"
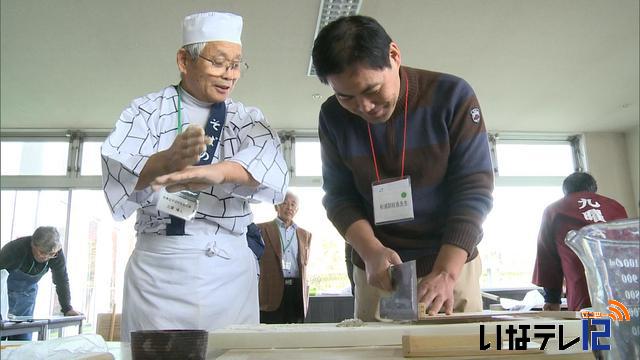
[[284, 292]]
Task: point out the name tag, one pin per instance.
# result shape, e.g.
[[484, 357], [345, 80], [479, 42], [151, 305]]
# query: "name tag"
[[286, 265], [392, 201], [183, 204]]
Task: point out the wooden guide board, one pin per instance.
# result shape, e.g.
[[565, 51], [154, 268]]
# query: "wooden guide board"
[[461, 345]]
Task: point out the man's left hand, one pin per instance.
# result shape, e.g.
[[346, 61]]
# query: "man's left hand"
[[436, 291], [72, 313], [193, 178]]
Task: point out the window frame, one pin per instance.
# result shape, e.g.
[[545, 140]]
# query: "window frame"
[[289, 138], [576, 141], [73, 180]]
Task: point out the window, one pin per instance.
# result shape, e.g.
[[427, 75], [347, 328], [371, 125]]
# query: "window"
[[508, 248], [34, 157], [327, 268], [97, 248], [91, 163], [307, 157], [327, 272], [28, 168], [22, 213], [530, 171], [531, 159], [530, 179], [47, 181], [98, 251]]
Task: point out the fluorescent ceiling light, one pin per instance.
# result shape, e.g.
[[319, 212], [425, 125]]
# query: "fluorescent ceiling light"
[[331, 10]]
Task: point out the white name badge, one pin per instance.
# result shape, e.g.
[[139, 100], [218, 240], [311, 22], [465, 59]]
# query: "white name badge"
[[286, 265], [183, 204], [392, 201]]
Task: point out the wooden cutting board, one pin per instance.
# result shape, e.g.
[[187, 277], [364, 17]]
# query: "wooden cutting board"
[[95, 356], [457, 318], [327, 335]]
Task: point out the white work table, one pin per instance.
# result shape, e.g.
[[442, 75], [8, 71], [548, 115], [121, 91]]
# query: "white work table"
[[27, 324], [375, 352], [372, 341]]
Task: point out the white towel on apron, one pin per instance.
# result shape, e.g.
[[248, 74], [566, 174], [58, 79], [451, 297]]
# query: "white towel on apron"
[[189, 282]]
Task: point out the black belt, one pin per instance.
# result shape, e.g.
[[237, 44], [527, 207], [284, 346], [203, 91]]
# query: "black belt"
[[289, 281]]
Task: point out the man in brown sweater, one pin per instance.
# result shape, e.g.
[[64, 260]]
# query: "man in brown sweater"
[[406, 167]]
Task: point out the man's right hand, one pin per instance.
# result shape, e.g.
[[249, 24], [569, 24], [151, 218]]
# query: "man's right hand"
[[184, 151], [377, 265], [377, 258]]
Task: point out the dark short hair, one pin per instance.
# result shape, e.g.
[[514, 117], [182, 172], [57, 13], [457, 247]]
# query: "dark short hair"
[[579, 181], [348, 41]]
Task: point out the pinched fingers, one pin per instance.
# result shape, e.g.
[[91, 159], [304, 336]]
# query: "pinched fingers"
[[188, 146], [194, 138]]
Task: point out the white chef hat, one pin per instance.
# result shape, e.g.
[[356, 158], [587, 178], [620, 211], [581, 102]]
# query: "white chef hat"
[[211, 26]]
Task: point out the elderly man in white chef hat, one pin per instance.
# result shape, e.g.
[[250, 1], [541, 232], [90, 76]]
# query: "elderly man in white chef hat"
[[187, 160]]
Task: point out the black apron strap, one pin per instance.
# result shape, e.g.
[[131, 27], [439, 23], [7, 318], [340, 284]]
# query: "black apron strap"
[[213, 129]]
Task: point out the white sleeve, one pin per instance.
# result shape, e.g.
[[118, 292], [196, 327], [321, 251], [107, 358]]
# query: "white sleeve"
[[124, 154], [260, 153]]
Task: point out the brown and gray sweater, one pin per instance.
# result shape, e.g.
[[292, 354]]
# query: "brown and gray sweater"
[[447, 158]]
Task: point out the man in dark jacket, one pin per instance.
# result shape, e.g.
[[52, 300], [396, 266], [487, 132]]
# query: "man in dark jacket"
[[27, 259]]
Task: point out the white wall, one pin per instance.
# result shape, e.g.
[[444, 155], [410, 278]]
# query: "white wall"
[[632, 138], [607, 157]]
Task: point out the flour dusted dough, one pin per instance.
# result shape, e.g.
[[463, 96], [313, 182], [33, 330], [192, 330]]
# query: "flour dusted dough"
[[350, 323]]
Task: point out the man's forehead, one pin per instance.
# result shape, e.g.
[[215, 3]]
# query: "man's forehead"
[[356, 80], [223, 48]]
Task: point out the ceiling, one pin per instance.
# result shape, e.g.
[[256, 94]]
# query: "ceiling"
[[541, 66]]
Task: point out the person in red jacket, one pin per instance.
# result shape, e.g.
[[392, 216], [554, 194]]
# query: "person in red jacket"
[[555, 261]]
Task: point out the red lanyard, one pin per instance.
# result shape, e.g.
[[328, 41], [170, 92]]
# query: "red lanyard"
[[404, 136]]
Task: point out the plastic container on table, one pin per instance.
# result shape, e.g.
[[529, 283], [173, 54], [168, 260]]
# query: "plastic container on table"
[[610, 253]]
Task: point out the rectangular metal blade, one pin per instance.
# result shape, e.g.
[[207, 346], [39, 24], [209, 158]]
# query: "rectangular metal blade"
[[403, 302]]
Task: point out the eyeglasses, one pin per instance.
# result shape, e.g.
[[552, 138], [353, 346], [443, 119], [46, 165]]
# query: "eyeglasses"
[[44, 254], [222, 65]]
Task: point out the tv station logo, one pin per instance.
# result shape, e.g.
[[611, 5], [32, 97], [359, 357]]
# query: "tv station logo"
[[618, 312], [595, 326]]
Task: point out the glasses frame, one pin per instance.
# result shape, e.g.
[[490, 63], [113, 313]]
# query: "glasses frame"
[[227, 65], [48, 256]]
